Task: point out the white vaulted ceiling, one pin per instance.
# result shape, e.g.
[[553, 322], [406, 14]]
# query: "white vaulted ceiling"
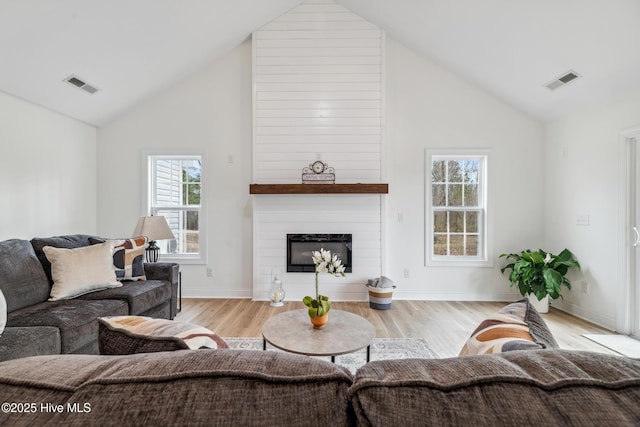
[[132, 49]]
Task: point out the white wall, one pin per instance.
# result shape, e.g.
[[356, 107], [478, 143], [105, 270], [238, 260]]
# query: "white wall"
[[47, 172], [208, 112], [318, 91], [275, 216], [582, 178], [428, 107], [318, 84]]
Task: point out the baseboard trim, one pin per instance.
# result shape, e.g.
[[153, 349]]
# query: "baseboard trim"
[[358, 297], [585, 314], [455, 296], [206, 294]]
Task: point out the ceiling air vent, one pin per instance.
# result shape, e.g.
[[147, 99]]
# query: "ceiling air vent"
[[80, 84], [567, 77]]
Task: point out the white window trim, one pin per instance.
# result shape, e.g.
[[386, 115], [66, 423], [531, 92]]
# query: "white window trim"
[[200, 258], [431, 260]]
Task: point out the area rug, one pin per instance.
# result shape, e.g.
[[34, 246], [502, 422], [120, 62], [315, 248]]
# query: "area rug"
[[622, 344], [381, 349]]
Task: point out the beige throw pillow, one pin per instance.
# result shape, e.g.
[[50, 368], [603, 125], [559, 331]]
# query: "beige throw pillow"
[[82, 270]]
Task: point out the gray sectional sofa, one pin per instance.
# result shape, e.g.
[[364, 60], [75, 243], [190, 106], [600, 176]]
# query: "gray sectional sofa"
[[268, 388], [37, 326]]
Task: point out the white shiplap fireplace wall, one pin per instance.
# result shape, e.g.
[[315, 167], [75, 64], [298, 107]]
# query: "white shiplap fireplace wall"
[[318, 77]]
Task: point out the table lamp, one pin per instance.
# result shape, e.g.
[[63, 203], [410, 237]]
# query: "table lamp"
[[153, 228]]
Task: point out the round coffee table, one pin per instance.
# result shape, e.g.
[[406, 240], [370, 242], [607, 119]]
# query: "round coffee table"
[[293, 332]]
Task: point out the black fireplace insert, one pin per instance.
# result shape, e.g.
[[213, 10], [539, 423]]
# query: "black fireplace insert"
[[301, 246]]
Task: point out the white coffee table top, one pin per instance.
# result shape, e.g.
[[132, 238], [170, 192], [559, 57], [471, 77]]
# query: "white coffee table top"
[[292, 331]]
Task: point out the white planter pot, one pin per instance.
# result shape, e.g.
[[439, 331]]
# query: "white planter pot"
[[541, 306]]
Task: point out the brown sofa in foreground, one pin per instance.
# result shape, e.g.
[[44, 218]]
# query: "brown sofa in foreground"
[[268, 388]]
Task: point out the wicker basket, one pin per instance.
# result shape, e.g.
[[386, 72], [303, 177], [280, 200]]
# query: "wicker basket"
[[380, 298]]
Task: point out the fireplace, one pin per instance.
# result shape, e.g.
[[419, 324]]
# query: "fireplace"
[[301, 246]]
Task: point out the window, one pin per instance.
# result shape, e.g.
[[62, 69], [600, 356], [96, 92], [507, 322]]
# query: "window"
[[175, 187], [456, 208]]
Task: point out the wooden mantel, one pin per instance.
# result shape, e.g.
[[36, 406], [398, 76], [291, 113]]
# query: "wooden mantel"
[[318, 188]]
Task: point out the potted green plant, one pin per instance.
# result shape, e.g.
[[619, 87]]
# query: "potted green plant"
[[319, 306], [540, 273]]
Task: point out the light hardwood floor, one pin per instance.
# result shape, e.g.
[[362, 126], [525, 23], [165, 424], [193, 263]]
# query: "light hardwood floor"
[[446, 325]]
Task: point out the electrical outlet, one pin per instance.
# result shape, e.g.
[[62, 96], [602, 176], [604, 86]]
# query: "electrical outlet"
[[582, 219], [400, 217], [406, 273], [209, 272], [585, 287], [230, 159]]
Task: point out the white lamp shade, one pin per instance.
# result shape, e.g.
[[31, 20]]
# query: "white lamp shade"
[[153, 228]]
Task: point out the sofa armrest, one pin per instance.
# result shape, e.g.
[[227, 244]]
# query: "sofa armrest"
[[167, 271]]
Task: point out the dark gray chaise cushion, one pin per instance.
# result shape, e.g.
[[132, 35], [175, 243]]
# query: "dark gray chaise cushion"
[[76, 319], [68, 242], [519, 388], [186, 387], [141, 296], [160, 311], [32, 341], [22, 279]]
